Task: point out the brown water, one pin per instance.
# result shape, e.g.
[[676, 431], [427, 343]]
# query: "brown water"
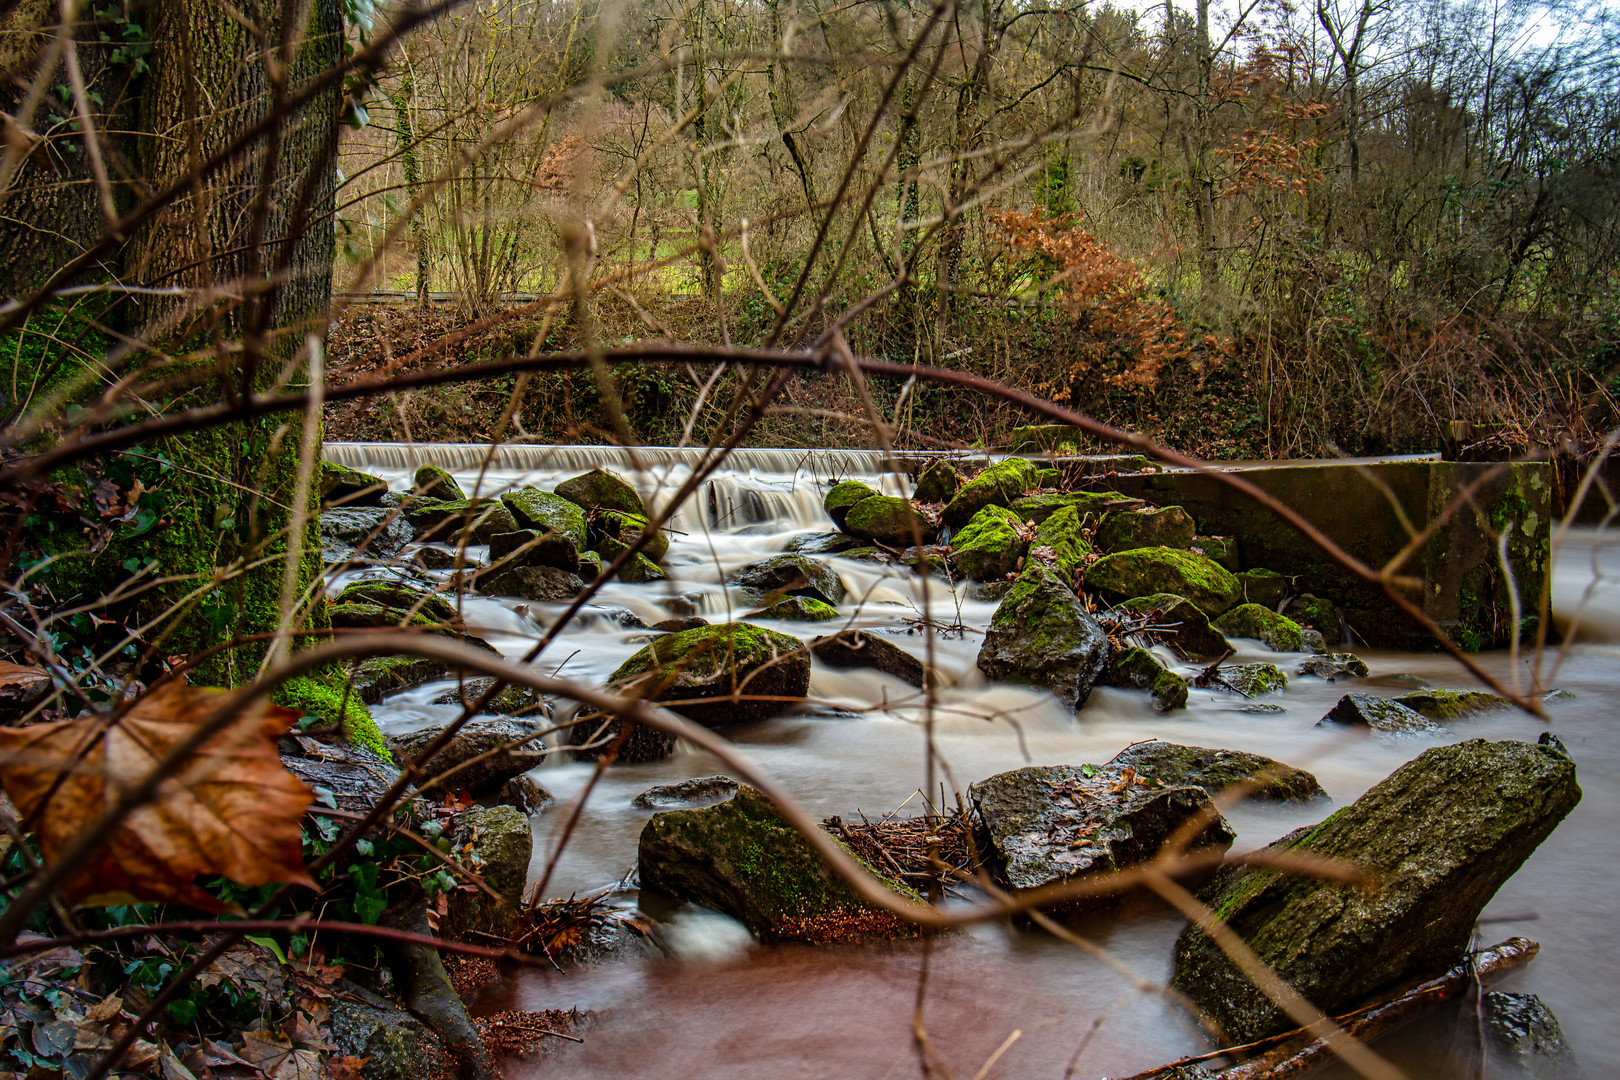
[[724, 1007]]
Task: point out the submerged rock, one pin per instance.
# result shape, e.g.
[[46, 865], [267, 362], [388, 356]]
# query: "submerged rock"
[[1436, 839], [343, 486], [938, 483], [991, 545], [544, 512], [1144, 571], [796, 609], [1166, 527], [1263, 625], [772, 579], [1042, 635], [1138, 669], [1453, 704], [1217, 770], [857, 648], [699, 670], [889, 520], [482, 756], [1252, 680], [1334, 666], [432, 482], [1193, 633], [741, 857], [997, 485], [1525, 1031], [602, 490], [820, 543], [843, 496], [688, 794], [1058, 823], [1383, 715]]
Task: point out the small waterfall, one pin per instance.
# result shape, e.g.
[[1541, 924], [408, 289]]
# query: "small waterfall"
[[819, 463]]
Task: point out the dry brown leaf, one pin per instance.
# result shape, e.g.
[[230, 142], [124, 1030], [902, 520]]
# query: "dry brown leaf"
[[273, 1054], [24, 684], [232, 810]]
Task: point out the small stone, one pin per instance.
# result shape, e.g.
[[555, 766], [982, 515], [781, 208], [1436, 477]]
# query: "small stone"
[[1334, 666], [522, 793], [432, 558], [1526, 1031], [432, 482], [1453, 704], [616, 531], [857, 648], [796, 609], [676, 625], [1312, 640], [529, 548], [1383, 715], [602, 490], [714, 662], [1087, 505], [820, 543], [640, 570], [1060, 539], [538, 583], [688, 794], [369, 532], [1138, 669], [402, 599]]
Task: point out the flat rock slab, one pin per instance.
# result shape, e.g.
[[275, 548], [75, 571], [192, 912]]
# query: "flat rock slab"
[[1435, 840], [1218, 770], [1058, 823], [1383, 715], [688, 794], [856, 648]]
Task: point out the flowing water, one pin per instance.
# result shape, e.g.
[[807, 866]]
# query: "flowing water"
[[722, 1007]]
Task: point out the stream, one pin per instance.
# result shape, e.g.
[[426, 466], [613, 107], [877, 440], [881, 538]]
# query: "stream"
[[724, 1007]]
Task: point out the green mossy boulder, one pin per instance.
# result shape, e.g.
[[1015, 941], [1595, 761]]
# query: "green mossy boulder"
[[1263, 778], [703, 668], [602, 490], [1061, 438], [375, 677], [1060, 540], [741, 857], [1220, 549], [1436, 839], [843, 496], [1313, 611], [529, 548], [1143, 571], [769, 580], [796, 609], [1444, 705], [1089, 505], [1265, 587], [615, 531], [1334, 666], [889, 520], [544, 512], [938, 483], [432, 482], [323, 695], [343, 486], [1048, 478], [1252, 680], [404, 599], [479, 520], [998, 485], [498, 842], [641, 570], [820, 543], [1166, 527], [1138, 669], [1059, 823], [1383, 715], [1042, 635], [1261, 624], [1186, 626], [990, 546]]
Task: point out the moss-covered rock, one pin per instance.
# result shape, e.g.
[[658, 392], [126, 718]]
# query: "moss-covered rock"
[[1313, 611], [889, 520], [796, 609], [529, 548], [1444, 705], [343, 486], [820, 543], [540, 583], [499, 842], [1216, 771], [432, 482], [1277, 633], [991, 545], [1265, 587], [1383, 715], [997, 485], [1219, 549], [938, 483], [1048, 478], [769, 580], [1436, 839], [601, 490], [1138, 669], [1049, 438], [857, 648], [446, 521], [843, 496], [614, 531], [1253, 680], [544, 512], [1060, 540], [403, 598], [484, 754], [375, 677], [1090, 505], [1164, 527], [322, 694], [1144, 571], [1334, 666], [1042, 635], [741, 857], [728, 673], [1181, 620], [1058, 823]]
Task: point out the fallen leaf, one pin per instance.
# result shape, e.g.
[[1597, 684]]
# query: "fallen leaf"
[[345, 1068], [22, 684], [232, 810], [273, 1054], [248, 967]]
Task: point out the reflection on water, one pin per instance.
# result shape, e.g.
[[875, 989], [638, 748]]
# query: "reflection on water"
[[725, 1009]]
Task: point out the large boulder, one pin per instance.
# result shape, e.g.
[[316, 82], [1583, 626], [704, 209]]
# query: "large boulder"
[[601, 490], [476, 520], [1142, 571], [699, 671], [1383, 715], [498, 841], [938, 483], [1261, 624], [843, 496], [343, 486], [1042, 635], [1215, 771], [1166, 527], [1059, 823], [997, 485], [991, 545], [769, 580], [741, 857], [433, 482], [1139, 669], [1435, 840], [481, 757], [1060, 540], [375, 532], [857, 648], [544, 512], [889, 520], [1179, 616]]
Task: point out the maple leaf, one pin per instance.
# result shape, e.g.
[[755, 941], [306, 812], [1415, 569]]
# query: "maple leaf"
[[232, 810]]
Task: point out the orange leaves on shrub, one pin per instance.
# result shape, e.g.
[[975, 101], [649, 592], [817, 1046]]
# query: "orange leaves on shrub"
[[1121, 324], [232, 809]]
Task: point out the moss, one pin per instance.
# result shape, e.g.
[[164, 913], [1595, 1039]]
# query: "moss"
[[714, 662], [617, 531], [1048, 437], [544, 512], [640, 570], [1166, 527], [889, 520], [797, 609], [1254, 679], [1061, 535], [432, 482], [375, 677], [322, 696], [447, 520], [398, 596], [1139, 669], [341, 484], [990, 546], [1167, 570], [1453, 704], [842, 498], [1038, 508], [938, 483], [997, 485], [1278, 633], [602, 490]]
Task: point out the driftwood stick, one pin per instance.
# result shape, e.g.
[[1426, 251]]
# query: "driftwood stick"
[[1294, 1053]]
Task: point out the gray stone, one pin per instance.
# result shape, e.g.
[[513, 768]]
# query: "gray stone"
[[538, 583], [1383, 715], [676, 625], [991, 546], [688, 794], [1524, 1031], [345, 530], [522, 793], [1190, 629], [704, 667], [1261, 624], [433, 482], [1252, 680], [998, 485], [391, 1043], [343, 486], [1145, 571], [497, 842], [842, 497], [889, 520], [1435, 839], [857, 648], [544, 512], [771, 579], [356, 776], [512, 748], [820, 543], [1218, 770], [476, 521], [1042, 635], [1139, 669], [1334, 666], [796, 609], [1265, 587], [938, 483]]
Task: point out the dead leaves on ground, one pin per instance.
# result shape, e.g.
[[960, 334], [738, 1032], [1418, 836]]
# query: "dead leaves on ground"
[[231, 810]]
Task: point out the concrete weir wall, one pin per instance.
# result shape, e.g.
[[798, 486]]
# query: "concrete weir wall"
[[1373, 511]]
